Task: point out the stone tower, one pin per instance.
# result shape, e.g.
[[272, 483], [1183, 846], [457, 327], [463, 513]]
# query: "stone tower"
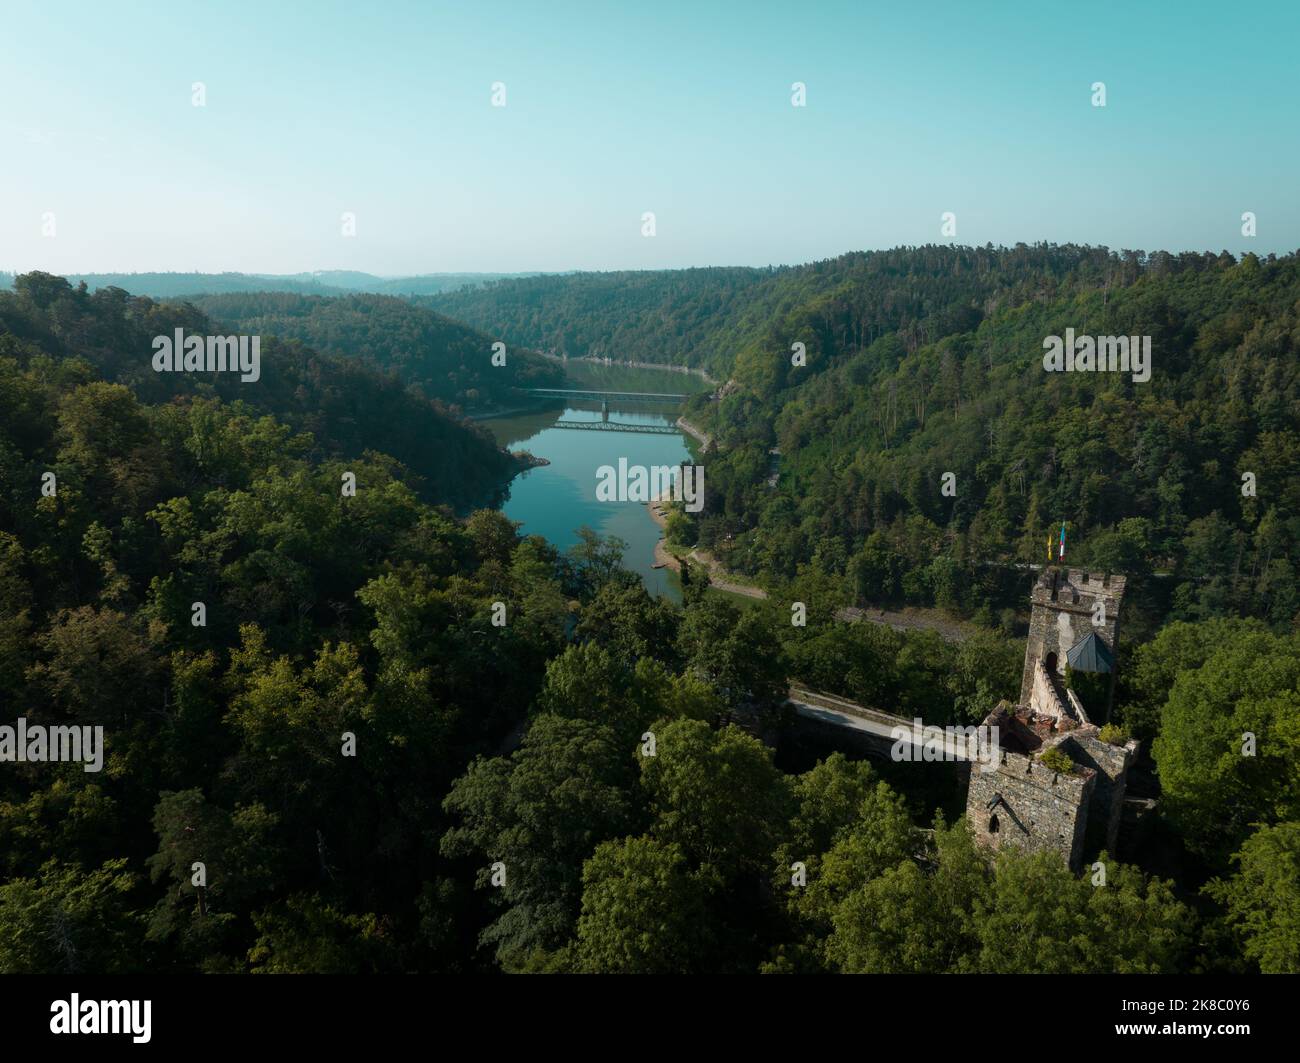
[[1024, 802], [1068, 606]]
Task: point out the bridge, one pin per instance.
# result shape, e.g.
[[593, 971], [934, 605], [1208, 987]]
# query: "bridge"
[[606, 425], [618, 426], [658, 396], [880, 730]]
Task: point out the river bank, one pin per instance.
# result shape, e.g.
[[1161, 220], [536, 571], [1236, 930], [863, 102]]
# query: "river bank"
[[700, 436], [557, 499], [665, 558]]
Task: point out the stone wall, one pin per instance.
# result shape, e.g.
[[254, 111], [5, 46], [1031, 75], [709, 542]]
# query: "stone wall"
[[1043, 698], [1111, 763], [1041, 810]]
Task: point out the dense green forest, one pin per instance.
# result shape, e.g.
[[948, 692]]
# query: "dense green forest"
[[347, 407], [377, 775], [1149, 477], [672, 317], [446, 360], [709, 317], [926, 361]]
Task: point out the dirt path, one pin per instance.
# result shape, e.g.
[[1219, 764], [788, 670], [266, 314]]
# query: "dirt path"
[[700, 437], [911, 619]]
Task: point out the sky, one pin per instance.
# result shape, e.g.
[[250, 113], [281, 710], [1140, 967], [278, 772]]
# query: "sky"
[[384, 110]]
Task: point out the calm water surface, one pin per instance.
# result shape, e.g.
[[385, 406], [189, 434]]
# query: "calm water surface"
[[555, 500]]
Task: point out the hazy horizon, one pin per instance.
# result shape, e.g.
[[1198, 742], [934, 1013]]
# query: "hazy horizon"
[[509, 274]]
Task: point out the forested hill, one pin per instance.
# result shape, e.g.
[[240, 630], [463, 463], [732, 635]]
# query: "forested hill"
[[320, 282], [941, 371], [709, 317], [89, 342], [447, 360], [677, 317]]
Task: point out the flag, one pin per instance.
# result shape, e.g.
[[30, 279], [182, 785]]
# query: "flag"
[[1049, 548], [1062, 540]]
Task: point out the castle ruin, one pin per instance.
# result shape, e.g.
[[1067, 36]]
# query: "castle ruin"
[[1074, 624]]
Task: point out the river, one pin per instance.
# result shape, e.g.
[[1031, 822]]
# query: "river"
[[555, 500]]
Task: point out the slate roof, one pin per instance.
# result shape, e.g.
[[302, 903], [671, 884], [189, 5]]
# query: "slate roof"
[[1091, 654]]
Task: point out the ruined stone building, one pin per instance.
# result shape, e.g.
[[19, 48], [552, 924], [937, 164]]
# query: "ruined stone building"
[[1074, 623]]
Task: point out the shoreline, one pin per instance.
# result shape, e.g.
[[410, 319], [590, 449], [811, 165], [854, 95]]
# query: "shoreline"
[[664, 558], [701, 437]]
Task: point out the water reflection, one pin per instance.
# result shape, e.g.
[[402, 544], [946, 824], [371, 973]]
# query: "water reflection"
[[556, 499]]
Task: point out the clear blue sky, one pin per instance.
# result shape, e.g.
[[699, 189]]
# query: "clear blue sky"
[[914, 108]]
